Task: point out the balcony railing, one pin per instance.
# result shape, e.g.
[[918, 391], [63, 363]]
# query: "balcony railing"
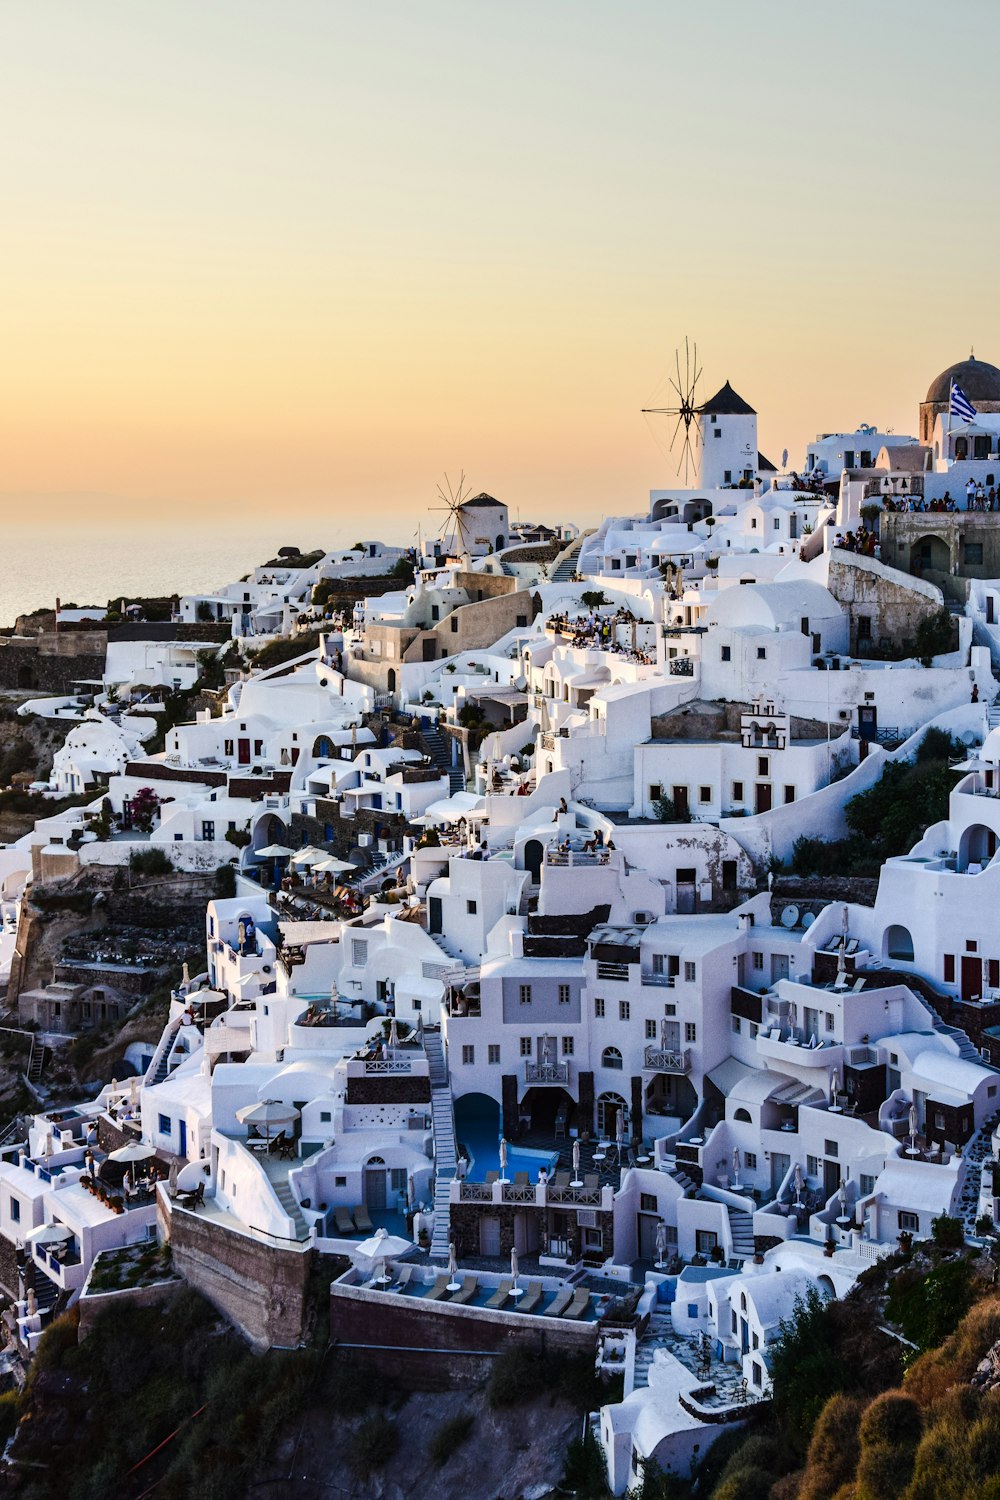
[[388, 1065], [668, 1059], [612, 971], [546, 1072], [666, 980]]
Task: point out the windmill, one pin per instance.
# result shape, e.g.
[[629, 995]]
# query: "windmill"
[[686, 413], [453, 498]]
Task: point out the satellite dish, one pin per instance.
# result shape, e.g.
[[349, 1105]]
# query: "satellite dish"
[[789, 916], [808, 918]]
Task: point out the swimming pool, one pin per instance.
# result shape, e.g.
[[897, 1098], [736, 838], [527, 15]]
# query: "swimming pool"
[[477, 1128], [483, 1294]]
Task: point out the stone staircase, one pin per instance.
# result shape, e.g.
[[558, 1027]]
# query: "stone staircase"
[[566, 564], [287, 1199], [741, 1226], [445, 1150], [993, 714], [658, 1329], [439, 750], [965, 1047], [160, 1066], [681, 1177]]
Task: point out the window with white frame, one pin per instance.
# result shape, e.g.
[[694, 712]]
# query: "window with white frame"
[[468, 1054], [524, 994], [624, 1010], [598, 1007], [689, 973], [690, 1031], [565, 994], [493, 1052], [526, 1046]]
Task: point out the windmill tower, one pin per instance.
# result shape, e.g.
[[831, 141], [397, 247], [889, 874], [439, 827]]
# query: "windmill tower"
[[686, 412], [453, 533], [476, 525]]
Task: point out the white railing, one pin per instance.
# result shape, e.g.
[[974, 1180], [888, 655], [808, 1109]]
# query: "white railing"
[[668, 1059], [554, 1072], [388, 1065]]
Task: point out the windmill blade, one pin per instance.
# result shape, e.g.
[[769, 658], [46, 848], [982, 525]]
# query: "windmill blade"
[[677, 429]]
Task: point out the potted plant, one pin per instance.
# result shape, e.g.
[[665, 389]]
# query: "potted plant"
[[424, 1238]]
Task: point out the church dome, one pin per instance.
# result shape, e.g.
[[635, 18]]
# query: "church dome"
[[977, 379]]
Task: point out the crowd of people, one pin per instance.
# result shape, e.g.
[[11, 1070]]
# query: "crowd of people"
[[862, 541], [594, 630]]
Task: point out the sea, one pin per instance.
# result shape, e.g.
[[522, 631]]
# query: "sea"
[[93, 564]]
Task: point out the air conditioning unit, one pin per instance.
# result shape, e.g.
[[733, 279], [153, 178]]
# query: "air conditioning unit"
[[586, 1218]]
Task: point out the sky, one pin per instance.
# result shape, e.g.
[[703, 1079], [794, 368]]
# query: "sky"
[[302, 259]]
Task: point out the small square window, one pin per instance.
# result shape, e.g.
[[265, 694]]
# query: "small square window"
[[831, 1148], [757, 960], [762, 653], [736, 1024], [704, 794], [763, 764], [468, 1054], [567, 1046], [325, 1117], [624, 1010], [598, 1007], [737, 791], [493, 1052], [690, 1031], [650, 1031], [647, 1203], [526, 1046], [470, 908]]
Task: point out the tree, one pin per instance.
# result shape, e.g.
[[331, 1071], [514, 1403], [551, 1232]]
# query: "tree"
[[144, 807], [805, 1367]]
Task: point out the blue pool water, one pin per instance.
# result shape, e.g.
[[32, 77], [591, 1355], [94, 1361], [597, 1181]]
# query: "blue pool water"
[[477, 1128], [483, 1295]]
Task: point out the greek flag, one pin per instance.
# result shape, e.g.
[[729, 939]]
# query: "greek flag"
[[961, 406]]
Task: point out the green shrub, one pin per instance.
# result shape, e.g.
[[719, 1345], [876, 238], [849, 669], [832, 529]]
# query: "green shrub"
[[806, 1370], [516, 1377], [948, 1232], [10, 1414], [372, 1445], [449, 1437], [151, 861], [927, 1308], [224, 885]]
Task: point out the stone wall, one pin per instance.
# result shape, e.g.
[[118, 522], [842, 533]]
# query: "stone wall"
[[25, 666], [9, 1280], [95, 1304], [892, 602], [259, 1287], [936, 546], [432, 1346], [382, 1088], [466, 1218]]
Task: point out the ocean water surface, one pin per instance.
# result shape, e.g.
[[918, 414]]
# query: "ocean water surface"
[[90, 565]]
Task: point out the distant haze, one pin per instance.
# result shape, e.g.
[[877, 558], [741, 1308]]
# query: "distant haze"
[[267, 261]]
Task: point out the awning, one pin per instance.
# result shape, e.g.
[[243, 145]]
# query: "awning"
[[728, 1074]]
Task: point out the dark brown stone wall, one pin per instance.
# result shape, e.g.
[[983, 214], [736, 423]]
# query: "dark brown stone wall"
[[508, 1105], [8, 1267], [259, 1287], [466, 1219], [585, 1108], [386, 1089], [441, 1348]]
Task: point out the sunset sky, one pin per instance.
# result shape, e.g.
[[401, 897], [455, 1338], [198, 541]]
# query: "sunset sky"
[[304, 257]]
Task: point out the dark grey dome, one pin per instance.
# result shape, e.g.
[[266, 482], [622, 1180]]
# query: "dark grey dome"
[[978, 380]]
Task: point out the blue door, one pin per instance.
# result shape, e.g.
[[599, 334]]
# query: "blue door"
[[182, 1127]]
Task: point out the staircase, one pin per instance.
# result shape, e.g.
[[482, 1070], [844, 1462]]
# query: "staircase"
[[681, 1177], [993, 714], [448, 952], [965, 1047], [659, 1330], [566, 564], [38, 1054], [439, 750], [445, 1154], [741, 1226], [287, 1199], [160, 1066]]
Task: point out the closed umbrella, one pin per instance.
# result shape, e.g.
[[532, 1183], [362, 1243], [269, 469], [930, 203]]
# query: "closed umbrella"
[[393, 1033], [175, 1167], [736, 1167], [619, 1130], [576, 1165], [133, 1091], [453, 1282], [31, 1302], [798, 1185], [503, 1159], [515, 1291], [661, 1242]]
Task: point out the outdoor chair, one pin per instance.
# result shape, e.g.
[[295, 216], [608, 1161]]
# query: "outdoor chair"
[[286, 1147], [343, 1221], [531, 1298], [521, 1179], [579, 1304], [439, 1289], [561, 1180], [405, 1277], [363, 1220], [560, 1302], [591, 1181], [470, 1285], [501, 1294], [492, 1177]]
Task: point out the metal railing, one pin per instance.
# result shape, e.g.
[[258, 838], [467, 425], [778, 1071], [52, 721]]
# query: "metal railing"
[[546, 1072], [612, 971], [388, 1065], [668, 981], [668, 1059]]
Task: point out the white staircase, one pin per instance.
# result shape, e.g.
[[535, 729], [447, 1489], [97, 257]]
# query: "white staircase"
[[658, 1331], [741, 1225], [285, 1196], [445, 1153]]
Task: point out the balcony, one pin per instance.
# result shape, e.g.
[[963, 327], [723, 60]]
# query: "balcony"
[[667, 981], [546, 1072], [612, 971], [668, 1059]]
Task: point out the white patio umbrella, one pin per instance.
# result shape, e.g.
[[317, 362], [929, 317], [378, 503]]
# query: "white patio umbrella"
[[133, 1091], [333, 866], [268, 1113], [453, 1282], [134, 1151], [274, 851], [308, 856], [382, 1246], [49, 1234], [736, 1166], [798, 1185], [503, 1156]]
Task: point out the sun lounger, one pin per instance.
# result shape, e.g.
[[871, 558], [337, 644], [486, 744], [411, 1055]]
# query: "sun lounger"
[[579, 1304], [560, 1302], [405, 1277], [492, 1177], [439, 1289], [343, 1221], [470, 1285], [362, 1220], [531, 1298], [501, 1294], [591, 1181], [521, 1179], [561, 1180]]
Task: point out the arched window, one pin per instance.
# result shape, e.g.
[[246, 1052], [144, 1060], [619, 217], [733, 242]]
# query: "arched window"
[[743, 1115], [611, 1058]]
